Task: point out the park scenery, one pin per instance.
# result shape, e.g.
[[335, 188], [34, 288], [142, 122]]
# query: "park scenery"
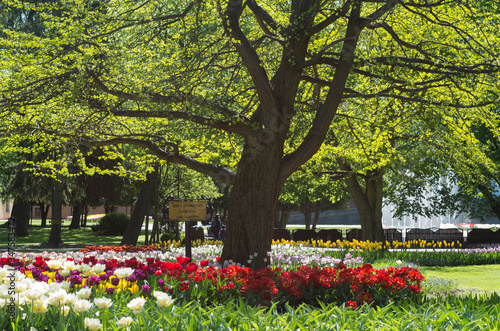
[[126, 124]]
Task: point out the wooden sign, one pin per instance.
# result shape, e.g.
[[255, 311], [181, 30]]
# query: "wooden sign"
[[187, 210]]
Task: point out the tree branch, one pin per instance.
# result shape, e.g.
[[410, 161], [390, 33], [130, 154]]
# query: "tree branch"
[[325, 114], [173, 17], [219, 172], [332, 18], [400, 41], [263, 18], [248, 54], [229, 126], [156, 98]]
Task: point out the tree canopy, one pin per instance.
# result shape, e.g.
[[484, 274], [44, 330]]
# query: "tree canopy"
[[244, 91]]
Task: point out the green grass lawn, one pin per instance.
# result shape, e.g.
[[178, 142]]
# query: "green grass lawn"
[[83, 236], [475, 278]]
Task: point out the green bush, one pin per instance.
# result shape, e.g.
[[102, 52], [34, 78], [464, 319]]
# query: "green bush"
[[113, 224], [167, 236]]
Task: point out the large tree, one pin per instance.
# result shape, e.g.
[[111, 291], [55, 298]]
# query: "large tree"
[[254, 84]]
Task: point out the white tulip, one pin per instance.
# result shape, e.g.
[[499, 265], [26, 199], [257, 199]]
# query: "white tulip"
[[123, 272], [103, 303], [68, 265], [3, 273], [81, 305], [53, 264], [164, 300], [124, 322], [84, 293], [70, 299], [98, 268], [57, 298], [65, 310], [136, 305], [92, 324], [39, 306]]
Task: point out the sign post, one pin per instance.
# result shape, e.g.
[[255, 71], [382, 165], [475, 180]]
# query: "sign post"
[[187, 210]]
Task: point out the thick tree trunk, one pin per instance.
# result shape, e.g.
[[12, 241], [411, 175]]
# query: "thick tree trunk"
[[146, 231], [253, 207], [155, 233], [44, 211], [85, 214], [285, 215], [316, 218], [140, 210], [369, 202], [307, 210], [75, 219], [55, 227], [21, 214]]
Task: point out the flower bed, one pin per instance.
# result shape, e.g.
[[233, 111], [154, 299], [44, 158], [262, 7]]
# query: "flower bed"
[[121, 286], [93, 217]]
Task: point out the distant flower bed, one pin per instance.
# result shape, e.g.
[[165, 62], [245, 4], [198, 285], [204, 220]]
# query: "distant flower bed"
[[371, 246], [93, 217], [121, 248], [95, 290]]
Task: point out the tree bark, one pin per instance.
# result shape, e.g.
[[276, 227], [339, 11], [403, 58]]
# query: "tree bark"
[[253, 207], [285, 215], [85, 214], [307, 210], [44, 211], [140, 210], [21, 214], [75, 219], [155, 233], [368, 200], [316, 218], [55, 227], [146, 231]]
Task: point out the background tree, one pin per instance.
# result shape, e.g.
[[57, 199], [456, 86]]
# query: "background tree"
[[177, 182], [310, 191], [439, 182], [257, 84], [21, 182]]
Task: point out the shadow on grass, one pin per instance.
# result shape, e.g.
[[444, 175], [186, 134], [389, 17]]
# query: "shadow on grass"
[[475, 278], [71, 237]]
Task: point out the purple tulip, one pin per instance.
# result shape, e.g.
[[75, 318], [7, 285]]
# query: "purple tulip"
[[75, 279], [161, 282], [115, 281], [146, 289], [110, 290], [58, 278], [93, 280], [142, 275]]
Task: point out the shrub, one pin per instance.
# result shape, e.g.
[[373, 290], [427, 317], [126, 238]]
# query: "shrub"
[[113, 224], [167, 236]]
